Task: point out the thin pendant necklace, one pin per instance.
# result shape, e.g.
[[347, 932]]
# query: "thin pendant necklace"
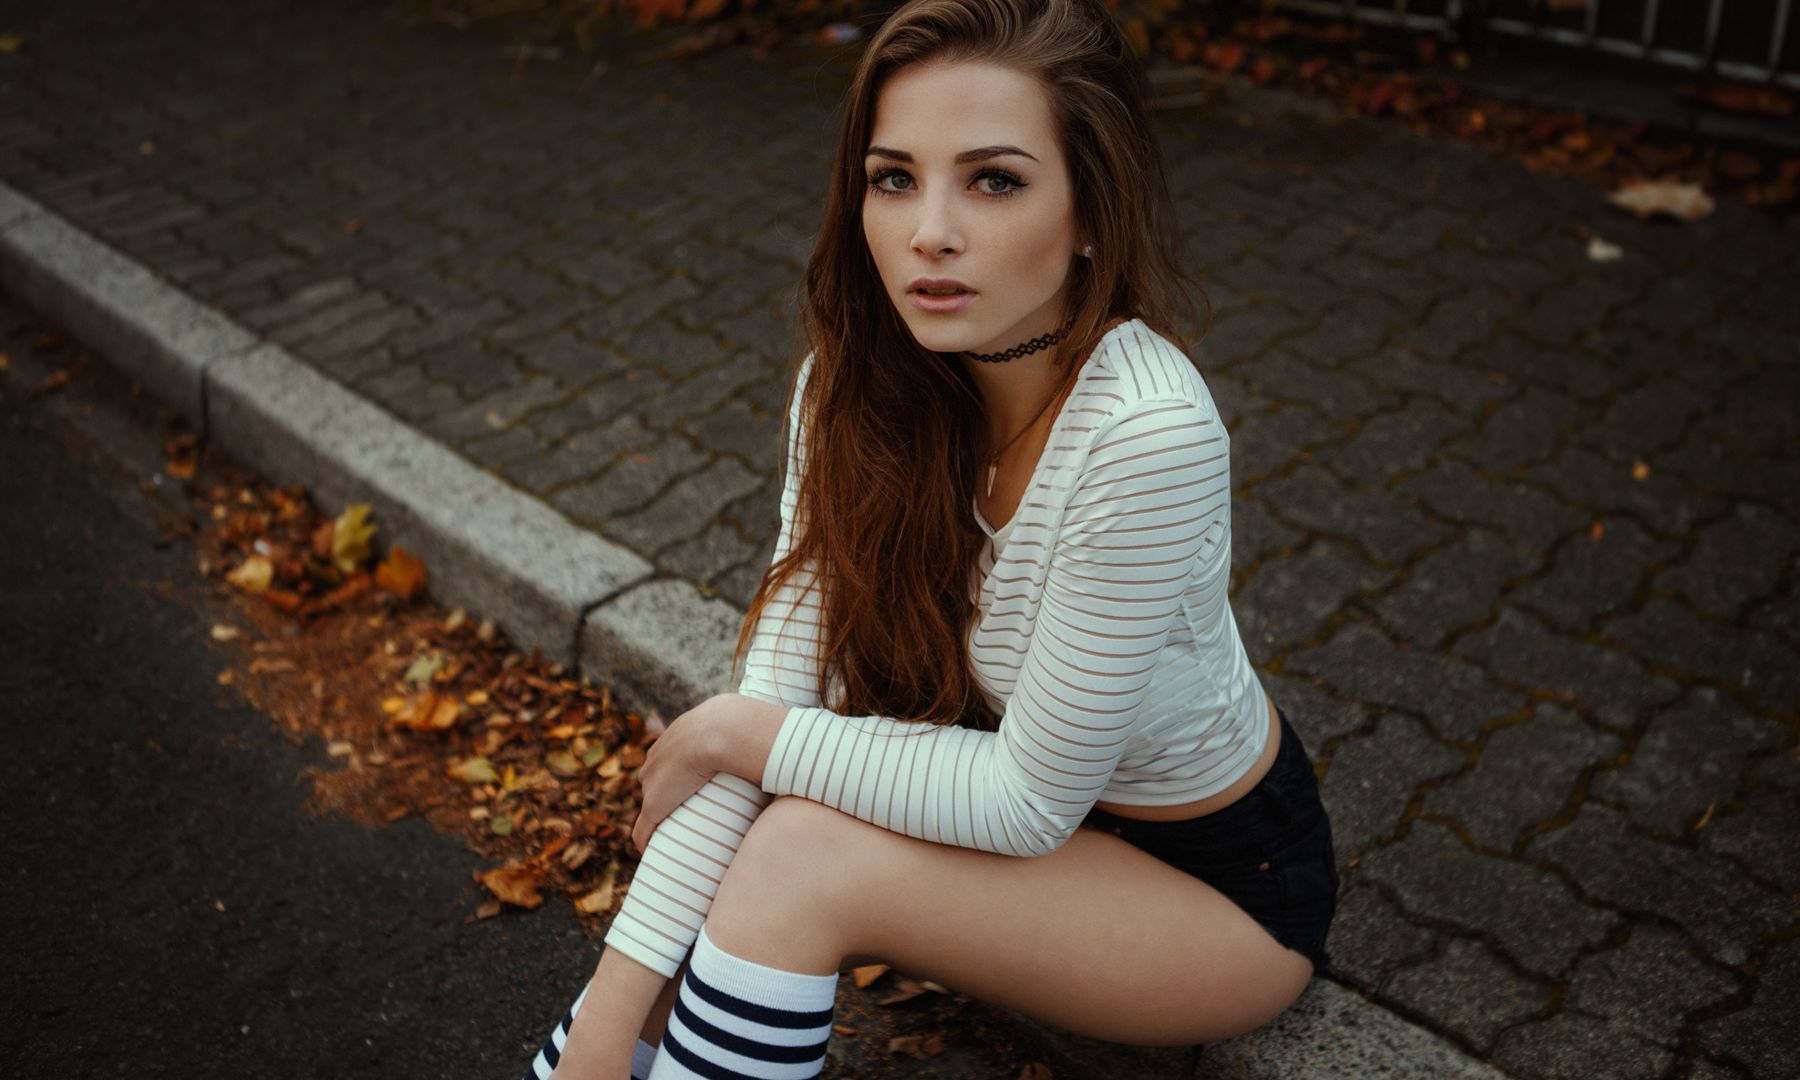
[[994, 458]]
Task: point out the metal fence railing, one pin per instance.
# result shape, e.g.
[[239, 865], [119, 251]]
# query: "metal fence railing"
[[1739, 39]]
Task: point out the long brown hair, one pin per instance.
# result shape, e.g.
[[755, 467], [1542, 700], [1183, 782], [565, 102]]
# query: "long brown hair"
[[892, 428]]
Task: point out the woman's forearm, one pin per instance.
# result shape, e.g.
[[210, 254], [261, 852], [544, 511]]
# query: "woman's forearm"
[[605, 1031]]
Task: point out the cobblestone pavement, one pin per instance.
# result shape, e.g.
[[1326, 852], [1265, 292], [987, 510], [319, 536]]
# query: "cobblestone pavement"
[[1554, 698]]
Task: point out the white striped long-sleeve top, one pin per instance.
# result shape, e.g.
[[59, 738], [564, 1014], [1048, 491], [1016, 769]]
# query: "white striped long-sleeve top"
[[1104, 640]]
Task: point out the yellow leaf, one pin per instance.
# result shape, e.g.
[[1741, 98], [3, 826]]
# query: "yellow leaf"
[[601, 899], [562, 763], [392, 705], [510, 780], [350, 537], [476, 770], [516, 885], [253, 574]]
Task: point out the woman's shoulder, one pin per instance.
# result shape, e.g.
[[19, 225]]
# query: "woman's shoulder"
[[1136, 369]]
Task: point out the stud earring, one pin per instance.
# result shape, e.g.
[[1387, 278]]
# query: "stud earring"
[[1087, 250]]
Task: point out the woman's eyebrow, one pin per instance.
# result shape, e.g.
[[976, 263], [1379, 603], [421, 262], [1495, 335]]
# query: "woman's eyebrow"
[[981, 154]]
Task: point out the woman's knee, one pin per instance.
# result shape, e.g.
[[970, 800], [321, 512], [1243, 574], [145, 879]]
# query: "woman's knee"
[[795, 844]]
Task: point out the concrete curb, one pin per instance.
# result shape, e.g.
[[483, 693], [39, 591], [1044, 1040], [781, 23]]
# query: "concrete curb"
[[592, 605]]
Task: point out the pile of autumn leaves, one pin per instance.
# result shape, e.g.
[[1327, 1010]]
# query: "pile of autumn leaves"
[[546, 764]]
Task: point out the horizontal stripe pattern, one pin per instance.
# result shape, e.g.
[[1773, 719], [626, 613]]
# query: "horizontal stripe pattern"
[[1104, 638]]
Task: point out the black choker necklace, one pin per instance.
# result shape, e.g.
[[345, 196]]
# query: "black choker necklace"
[[1036, 343]]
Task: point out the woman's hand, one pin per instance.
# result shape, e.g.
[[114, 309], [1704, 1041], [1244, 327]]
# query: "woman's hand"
[[680, 762]]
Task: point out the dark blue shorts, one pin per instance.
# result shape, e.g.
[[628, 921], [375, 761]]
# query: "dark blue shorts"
[[1270, 851]]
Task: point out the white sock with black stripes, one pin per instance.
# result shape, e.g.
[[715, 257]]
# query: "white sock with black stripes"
[[736, 1019], [643, 1056]]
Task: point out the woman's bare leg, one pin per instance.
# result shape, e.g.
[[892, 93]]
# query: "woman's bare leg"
[[1097, 936]]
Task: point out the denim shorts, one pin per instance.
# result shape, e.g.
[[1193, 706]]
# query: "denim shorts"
[[1270, 851]]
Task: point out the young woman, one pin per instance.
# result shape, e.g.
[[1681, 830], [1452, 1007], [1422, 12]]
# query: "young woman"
[[997, 613]]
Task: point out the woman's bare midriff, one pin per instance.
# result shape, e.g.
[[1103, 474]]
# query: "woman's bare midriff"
[[1218, 800]]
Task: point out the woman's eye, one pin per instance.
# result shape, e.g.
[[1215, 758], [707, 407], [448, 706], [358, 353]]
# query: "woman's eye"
[[1009, 184], [887, 174]]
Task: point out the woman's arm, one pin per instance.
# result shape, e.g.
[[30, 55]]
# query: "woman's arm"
[[1152, 500]]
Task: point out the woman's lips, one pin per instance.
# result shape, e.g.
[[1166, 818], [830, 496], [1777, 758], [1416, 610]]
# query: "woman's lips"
[[941, 305]]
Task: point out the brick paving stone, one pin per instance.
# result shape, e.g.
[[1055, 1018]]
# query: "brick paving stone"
[[1468, 989], [1454, 587], [1757, 418], [1457, 699], [476, 371], [567, 358], [1456, 324], [1739, 559], [1392, 443], [1264, 443], [1715, 467], [662, 346], [497, 410], [1759, 665], [1372, 778], [1316, 715], [1578, 375], [1343, 334], [707, 556], [686, 401], [1629, 871], [1524, 909], [1522, 513], [1692, 756], [1763, 1035], [1649, 984], [600, 403], [1340, 398], [1255, 534], [1572, 309], [1388, 528], [1520, 650], [685, 509], [740, 583], [583, 454], [1230, 394], [1762, 836], [1462, 388], [1589, 579], [736, 428], [1242, 335], [1643, 421], [1525, 774], [630, 484], [1663, 501], [1520, 431], [1370, 938], [502, 447], [615, 321], [409, 391], [1573, 1045], [1287, 601]]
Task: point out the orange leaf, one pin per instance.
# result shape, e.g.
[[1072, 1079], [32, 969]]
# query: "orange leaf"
[[867, 974], [515, 885], [401, 573]]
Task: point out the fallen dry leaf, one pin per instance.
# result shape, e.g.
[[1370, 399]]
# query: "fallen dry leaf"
[[223, 632], [516, 885], [253, 575], [867, 974], [401, 573], [350, 537], [919, 1046], [1037, 1070], [475, 770], [1677, 199]]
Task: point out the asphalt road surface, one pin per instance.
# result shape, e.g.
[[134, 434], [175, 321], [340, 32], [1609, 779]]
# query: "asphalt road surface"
[[170, 909]]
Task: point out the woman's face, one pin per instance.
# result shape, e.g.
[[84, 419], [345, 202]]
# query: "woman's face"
[[968, 184]]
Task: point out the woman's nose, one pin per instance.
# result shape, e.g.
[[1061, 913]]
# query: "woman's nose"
[[936, 230]]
